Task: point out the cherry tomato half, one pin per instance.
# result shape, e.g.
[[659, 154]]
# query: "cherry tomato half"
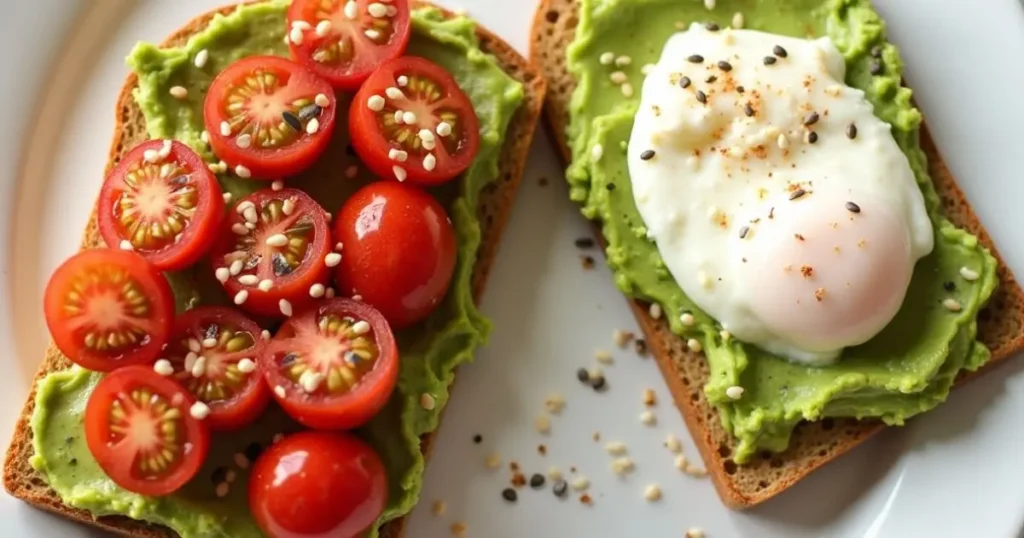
[[410, 121], [214, 352], [108, 308], [269, 117], [399, 250], [140, 429], [162, 202], [274, 254], [322, 484], [345, 40], [334, 365]]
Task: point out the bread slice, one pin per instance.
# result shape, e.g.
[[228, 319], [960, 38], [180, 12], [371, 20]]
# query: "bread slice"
[[1000, 326], [496, 200]]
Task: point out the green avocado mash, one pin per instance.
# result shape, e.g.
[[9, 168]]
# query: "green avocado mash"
[[909, 367], [430, 352]]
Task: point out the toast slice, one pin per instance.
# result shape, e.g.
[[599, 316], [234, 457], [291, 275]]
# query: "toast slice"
[[496, 201], [1000, 324]]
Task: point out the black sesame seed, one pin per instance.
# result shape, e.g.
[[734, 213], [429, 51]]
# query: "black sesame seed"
[[695, 59], [701, 98], [253, 451], [478, 438], [748, 110], [797, 194], [584, 242], [561, 488], [509, 495], [640, 346], [852, 207], [811, 119], [292, 120], [812, 137], [876, 51], [73, 462], [949, 285], [711, 27], [770, 60], [875, 68], [740, 89], [851, 131], [599, 382], [537, 481], [779, 51], [743, 231], [220, 474], [609, 186], [711, 79], [289, 359], [647, 155], [309, 112], [69, 440], [583, 375], [684, 82], [725, 66]]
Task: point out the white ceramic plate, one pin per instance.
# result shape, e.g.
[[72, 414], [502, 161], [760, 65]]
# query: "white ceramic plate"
[[955, 471]]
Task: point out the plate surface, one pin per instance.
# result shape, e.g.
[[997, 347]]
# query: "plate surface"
[[943, 475]]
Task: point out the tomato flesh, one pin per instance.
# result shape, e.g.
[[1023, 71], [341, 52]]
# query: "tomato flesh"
[[140, 430], [108, 308], [399, 248], [274, 252], [269, 117], [410, 121], [334, 365], [162, 202], [345, 40], [213, 353], [328, 485]]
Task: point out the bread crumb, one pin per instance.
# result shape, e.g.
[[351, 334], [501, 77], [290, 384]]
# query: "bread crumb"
[[440, 507], [603, 356], [493, 461], [580, 483], [648, 418], [585, 499], [694, 533], [615, 448], [673, 444], [650, 398], [621, 337], [459, 529], [652, 493], [554, 404], [621, 466], [543, 424]]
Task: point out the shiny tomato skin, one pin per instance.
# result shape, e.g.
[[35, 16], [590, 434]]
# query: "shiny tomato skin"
[[116, 454], [301, 336], [399, 251], [317, 484], [100, 274], [369, 53], [193, 187], [375, 133], [269, 163]]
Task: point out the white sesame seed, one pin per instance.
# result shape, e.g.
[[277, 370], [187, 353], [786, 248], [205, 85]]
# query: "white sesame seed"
[[323, 28], [687, 319], [493, 461], [280, 392], [737, 20], [330, 293], [694, 345], [288, 206], [426, 134], [554, 404], [332, 259], [606, 58], [239, 229], [265, 334], [352, 171], [372, 34], [580, 483], [427, 401], [375, 103], [199, 368], [627, 90], [312, 126], [225, 128], [392, 11], [398, 117], [361, 327], [623, 61], [393, 93], [652, 493], [310, 381], [402, 80], [201, 57], [163, 367], [199, 411], [126, 245], [673, 444], [648, 418], [242, 206], [655, 310], [782, 141], [726, 335], [285, 306], [322, 100], [603, 356], [190, 360], [277, 240], [246, 366], [429, 162], [615, 448], [555, 474], [265, 285], [209, 343], [400, 173], [302, 25], [734, 392], [377, 9], [952, 305], [179, 92], [618, 77], [968, 274], [709, 4], [295, 35], [317, 290], [242, 172], [277, 185], [205, 136], [398, 155], [409, 117], [194, 345], [248, 280], [241, 460], [444, 128], [351, 10], [244, 140], [235, 267], [597, 152], [622, 466], [680, 462], [241, 296], [222, 274], [222, 489], [694, 532], [151, 156], [542, 424]]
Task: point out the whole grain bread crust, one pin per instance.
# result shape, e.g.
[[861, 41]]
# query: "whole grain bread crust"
[[496, 201], [1000, 325]]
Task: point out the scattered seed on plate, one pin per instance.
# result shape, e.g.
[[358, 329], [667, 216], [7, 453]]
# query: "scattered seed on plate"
[[554, 404], [673, 444], [652, 493], [439, 508], [615, 448], [694, 532], [650, 398], [509, 495], [602, 356], [583, 375], [622, 466], [648, 418], [640, 347], [554, 474], [493, 461], [560, 488], [543, 424], [537, 481], [598, 382], [580, 483]]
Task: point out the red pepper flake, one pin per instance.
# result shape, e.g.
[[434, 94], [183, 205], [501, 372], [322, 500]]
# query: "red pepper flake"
[[518, 480], [513, 466], [588, 262], [585, 499], [798, 237], [819, 294], [807, 271]]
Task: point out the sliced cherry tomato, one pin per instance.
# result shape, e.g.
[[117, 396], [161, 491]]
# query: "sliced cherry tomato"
[[322, 484], [399, 250], [345, 40], [269, 117], [274, 255], [162, 202], [334, 365], [410, 121], [139, 427], [108, 308], [222, 346]]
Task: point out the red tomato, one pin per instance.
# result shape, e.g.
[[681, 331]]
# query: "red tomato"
[[269, 117], [140, 429], [223, 347], [274, 253], [317, 484], [334, 365], [108, 308], [162, 202], [399, 251], [424, 130], [345, 40]]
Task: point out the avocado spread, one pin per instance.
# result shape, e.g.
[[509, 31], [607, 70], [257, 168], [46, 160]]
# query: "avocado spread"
[[906, 369], [430, 351]]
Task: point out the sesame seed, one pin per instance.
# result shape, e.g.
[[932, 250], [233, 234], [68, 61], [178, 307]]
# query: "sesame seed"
[[969, 274], [246, 366], [429, 162], [222, 274], [673, 444], [277, 240], [285, 306], [302, 25], [627, 90], [351, 10], [810, 119], [952, 305], [312, 126], [702, 98], [709, 4], [400, 173], [321, 100], [239, 229], [427, 401], [744, 231], [684, 82], [439, 508], [694, 532], [372, 34], [770, 60], [617, 77], [647, 155], [242, 172], [361, 327], [652, 493], [779, 51], [734, 392], [493, 461], [444, 128], [748, 110], [241, 296], [398, 155], [194, 345], [580, 483], [205, 136], [402, 80], [852, 207], [655, 310], [199, 411], [647, 418], [680, 462], [317, 290], [310, 381], [179, 92], [509, 495], [332, 259], [623, 61], [554, 404], [200, 59], [244, 140], [711, 26], [245, 280], [163, 367], [277, 185], [812, 137], [615, 448], [725, 335], [694, 345], [249, 214], [602, 356], [737, 20], [265, 334], [199, 367], [280, 392], [542, 424], [725, 66], [782, 141], [330, 293], [797, 194], [851, 131], [596, 152], [295, 35], [323, 28], [606, 58], [622, 466], [687, 319], [695, 58], [126, 245], [227, 196]]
